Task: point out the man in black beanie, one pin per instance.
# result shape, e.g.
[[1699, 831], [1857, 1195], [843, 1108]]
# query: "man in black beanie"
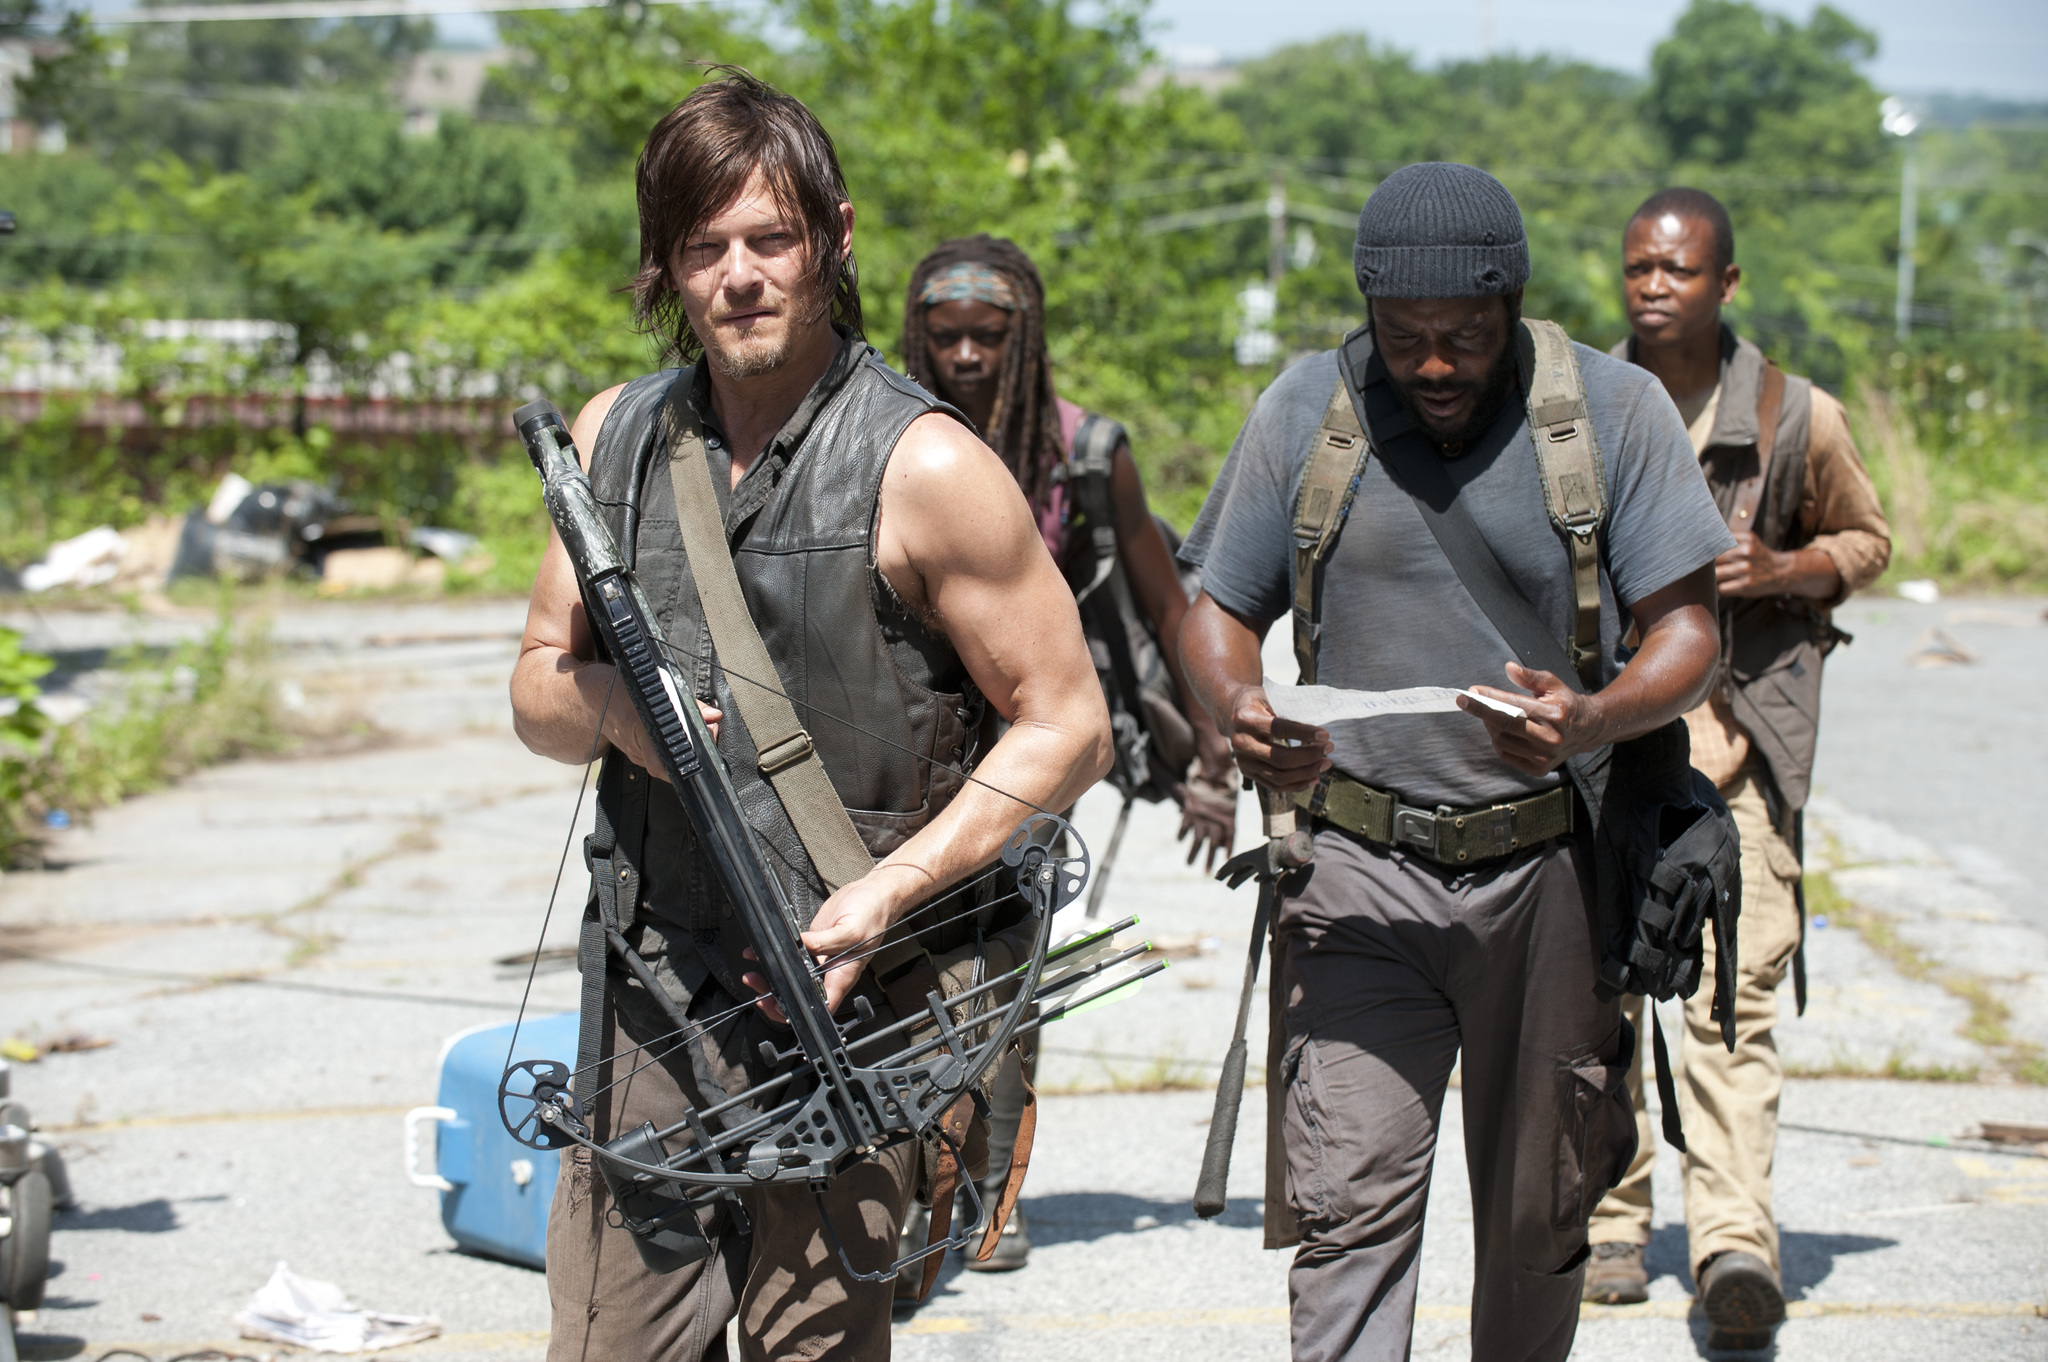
[[1450, 911]]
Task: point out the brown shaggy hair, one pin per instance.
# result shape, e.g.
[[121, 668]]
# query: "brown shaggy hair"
[[696, 162], [1025, 428]]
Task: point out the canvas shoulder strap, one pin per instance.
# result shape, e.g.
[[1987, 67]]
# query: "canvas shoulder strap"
[[1329, 484], [1574, 479], [788, 760]]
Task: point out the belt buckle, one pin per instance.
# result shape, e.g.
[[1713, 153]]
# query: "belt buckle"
[[1417, 827]]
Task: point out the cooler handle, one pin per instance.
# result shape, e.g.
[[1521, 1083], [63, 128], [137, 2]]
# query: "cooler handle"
[[413, 1121]]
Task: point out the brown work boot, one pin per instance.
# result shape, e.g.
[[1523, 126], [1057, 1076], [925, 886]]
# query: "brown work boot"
[[1615, 1276], [1742, 1300]]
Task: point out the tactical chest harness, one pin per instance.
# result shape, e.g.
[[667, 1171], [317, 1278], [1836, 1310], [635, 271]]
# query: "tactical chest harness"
[[1574, 494], [838, 1091]]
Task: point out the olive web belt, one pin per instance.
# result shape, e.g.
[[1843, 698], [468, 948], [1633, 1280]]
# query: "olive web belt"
[[1448, 836]]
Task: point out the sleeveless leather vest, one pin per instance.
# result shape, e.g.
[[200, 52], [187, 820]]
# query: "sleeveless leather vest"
[[887, 701]]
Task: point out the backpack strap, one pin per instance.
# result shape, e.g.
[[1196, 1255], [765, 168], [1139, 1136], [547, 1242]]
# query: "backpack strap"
[[1329, 484], [788, 760], [1573, 477], [1089, 467]]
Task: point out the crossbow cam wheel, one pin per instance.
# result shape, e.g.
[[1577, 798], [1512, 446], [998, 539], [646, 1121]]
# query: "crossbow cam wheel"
[[533, 1098]]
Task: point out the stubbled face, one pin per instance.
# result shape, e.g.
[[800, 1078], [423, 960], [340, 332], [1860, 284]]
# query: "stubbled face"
[[1670, 285], [968, 339], [1449, 359], [748, 285]]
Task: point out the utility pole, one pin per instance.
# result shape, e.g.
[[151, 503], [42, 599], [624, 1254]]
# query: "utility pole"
[[1901, 123], [1276, 231], [1486, 30]]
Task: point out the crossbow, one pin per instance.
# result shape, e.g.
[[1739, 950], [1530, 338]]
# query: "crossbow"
[[840, 1090]]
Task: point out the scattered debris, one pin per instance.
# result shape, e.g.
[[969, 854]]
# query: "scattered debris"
[[2012, 1132], [1939, 648], [1920, 591], [319, 1316], [90, 559], [379, 569], [452, 546], [72, 1042], [247, 532], [20, 1049]]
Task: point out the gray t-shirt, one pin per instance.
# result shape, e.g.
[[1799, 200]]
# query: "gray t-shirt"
[[1394, 612]]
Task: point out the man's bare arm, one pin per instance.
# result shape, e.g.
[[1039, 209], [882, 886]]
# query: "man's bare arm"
[[558, 692], [958, 543], [1669, 675], [1219, 651]]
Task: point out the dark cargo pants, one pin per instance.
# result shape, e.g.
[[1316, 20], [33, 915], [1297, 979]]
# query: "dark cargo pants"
[[783, 1281], [1393, 965]]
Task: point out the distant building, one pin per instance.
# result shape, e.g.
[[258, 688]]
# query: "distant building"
[[20, 136], [448, 80]]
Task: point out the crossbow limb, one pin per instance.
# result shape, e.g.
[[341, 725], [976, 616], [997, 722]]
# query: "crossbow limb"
[[839, 1092]]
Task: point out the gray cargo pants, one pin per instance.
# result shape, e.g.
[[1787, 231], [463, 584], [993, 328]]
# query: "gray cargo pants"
[[783, 1281], [1392, 966]]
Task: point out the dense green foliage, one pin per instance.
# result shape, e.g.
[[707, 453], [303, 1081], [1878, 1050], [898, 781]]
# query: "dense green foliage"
[[266, 170]]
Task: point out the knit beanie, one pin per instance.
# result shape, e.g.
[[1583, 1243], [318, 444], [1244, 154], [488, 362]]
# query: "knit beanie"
[[1440, 230]]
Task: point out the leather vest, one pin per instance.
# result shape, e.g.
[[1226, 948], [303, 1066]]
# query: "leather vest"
[[885, 698]]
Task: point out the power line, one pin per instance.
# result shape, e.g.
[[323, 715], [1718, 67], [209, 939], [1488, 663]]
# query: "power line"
[[345, 9]]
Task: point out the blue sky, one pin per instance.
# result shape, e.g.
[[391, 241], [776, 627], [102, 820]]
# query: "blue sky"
[[1988, 47], [1992, 47]]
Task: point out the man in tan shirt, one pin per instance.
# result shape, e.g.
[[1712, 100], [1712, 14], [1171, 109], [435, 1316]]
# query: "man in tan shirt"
[[1777, 454]]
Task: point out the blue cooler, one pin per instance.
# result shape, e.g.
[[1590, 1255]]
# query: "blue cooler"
[[494, 1190]]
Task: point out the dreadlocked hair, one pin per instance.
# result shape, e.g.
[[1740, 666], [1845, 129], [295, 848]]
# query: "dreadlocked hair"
[[1024, 429]]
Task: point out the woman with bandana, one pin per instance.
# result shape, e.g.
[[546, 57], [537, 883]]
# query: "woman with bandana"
[[974, 335]]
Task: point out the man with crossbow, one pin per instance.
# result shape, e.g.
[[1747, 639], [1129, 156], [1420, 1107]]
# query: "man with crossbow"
[[894, 583]]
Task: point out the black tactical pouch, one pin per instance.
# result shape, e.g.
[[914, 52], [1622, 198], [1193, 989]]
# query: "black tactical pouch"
[[1668, 862]]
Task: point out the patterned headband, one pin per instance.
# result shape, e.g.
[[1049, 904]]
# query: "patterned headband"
[[970, 282]]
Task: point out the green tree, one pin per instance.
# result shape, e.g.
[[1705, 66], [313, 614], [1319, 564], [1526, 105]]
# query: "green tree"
[[1736, 84]]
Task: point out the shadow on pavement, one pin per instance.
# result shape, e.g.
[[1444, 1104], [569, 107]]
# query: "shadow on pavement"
[[155, 1216], [1071, 1217], [1806, 1259]]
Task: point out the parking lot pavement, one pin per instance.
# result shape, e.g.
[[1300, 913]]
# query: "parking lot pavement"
[[277, 949]]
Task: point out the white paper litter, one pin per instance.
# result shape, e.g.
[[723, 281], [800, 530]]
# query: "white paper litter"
[[1322, 705], [317, 1315], [90, 559]]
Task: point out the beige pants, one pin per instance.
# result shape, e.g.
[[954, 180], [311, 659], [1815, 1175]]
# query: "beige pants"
[[1728, 1102]]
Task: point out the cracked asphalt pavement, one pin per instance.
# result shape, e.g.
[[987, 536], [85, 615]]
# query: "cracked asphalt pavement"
[[278, 947]]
